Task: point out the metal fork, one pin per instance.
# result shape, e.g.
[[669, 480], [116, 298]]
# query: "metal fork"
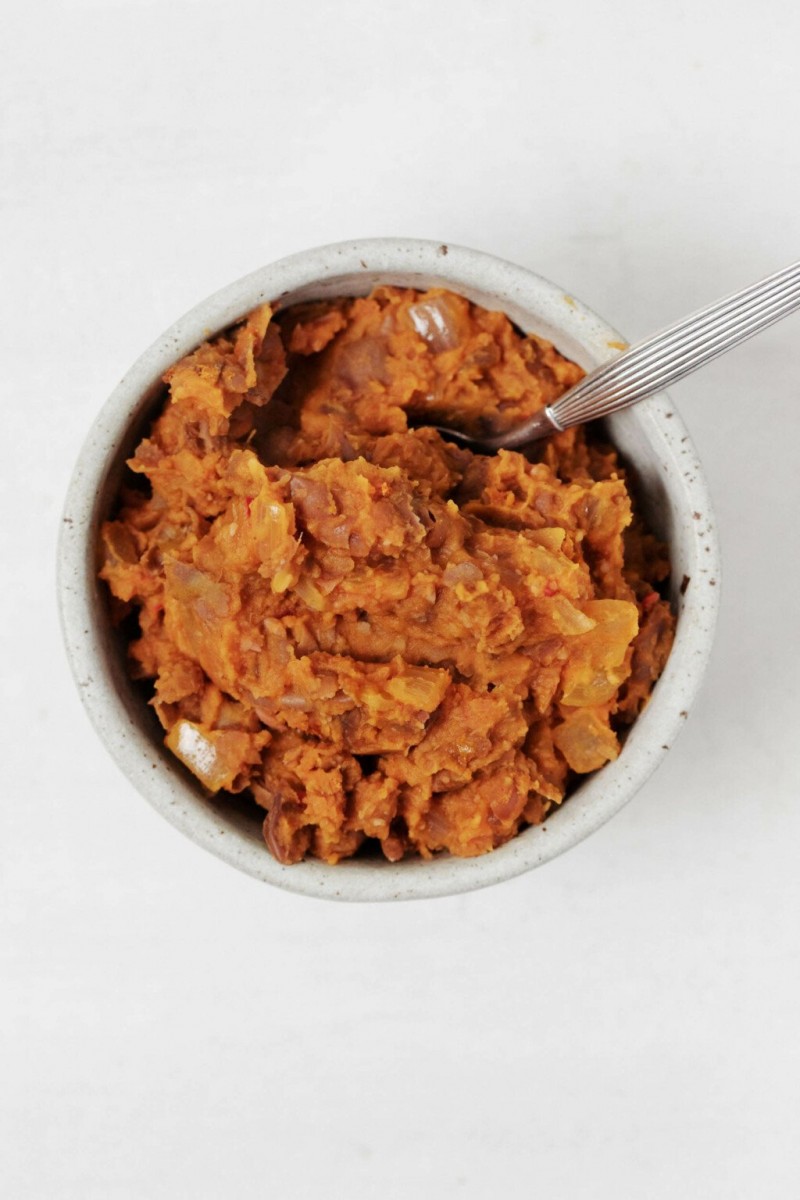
[[657, 362]]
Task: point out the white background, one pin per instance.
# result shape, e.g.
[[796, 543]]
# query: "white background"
[[622, 1022]]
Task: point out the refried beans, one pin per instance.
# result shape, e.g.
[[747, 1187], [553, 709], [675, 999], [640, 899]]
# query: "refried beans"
[[383, 638]]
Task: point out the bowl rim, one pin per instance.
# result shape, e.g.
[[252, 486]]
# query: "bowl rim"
[[165, 785]]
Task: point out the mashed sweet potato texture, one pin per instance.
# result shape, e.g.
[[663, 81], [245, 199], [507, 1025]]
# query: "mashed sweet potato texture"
[[382, 636]]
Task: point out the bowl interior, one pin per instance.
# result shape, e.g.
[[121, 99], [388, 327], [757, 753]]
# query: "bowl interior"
[[651, 438]]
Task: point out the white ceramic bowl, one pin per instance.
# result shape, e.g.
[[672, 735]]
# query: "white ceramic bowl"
[[651, 436]]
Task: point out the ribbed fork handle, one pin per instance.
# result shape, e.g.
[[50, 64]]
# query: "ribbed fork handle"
[[668, 356]]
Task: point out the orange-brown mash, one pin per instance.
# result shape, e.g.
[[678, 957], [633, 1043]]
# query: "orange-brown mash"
[[384, 637]]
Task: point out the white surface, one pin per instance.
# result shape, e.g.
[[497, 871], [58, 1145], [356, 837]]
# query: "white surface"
[[621, 1022]]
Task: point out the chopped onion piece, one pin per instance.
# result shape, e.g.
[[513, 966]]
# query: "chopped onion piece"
[[434, 323]]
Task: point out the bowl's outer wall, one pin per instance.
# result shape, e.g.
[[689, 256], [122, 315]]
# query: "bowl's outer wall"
[[650, 436]]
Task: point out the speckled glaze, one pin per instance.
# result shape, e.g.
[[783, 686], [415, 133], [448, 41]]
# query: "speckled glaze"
[[651, 436]]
